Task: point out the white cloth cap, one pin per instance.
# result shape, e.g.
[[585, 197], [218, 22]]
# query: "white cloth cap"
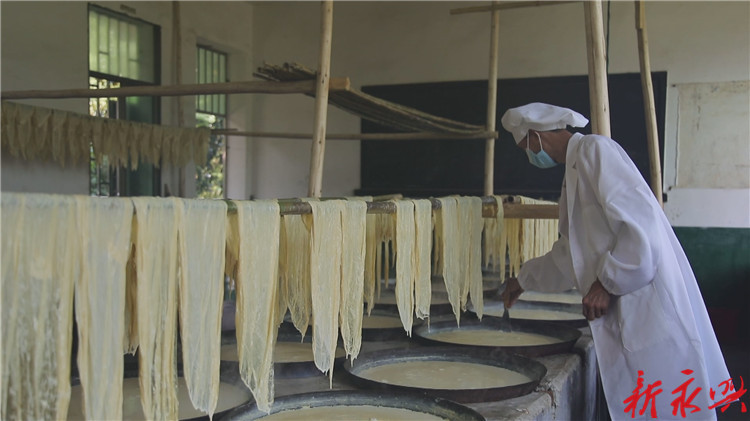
[[541, 117]]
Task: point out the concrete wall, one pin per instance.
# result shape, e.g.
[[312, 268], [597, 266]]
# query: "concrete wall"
[[404, 42], [225, 27], [45, 46], [26, 32], [697, 43]]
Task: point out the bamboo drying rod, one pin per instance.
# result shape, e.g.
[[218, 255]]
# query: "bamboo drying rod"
[[363, 136], [246, 87], [648, 101], [322, 84], [489, 147], [489, 208], [597, 62], [507, 5]]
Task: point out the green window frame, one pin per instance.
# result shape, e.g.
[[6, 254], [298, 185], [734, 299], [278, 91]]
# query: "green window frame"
[[211, 68], [121, 46], [123, 51]]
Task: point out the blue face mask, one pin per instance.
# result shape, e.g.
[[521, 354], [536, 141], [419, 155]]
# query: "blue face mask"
[[541, 159]]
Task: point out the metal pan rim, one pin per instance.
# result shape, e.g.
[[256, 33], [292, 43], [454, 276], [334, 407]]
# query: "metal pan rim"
[[441, 407]]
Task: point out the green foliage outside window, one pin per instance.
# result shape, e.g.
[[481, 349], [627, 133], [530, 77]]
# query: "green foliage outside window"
[[209, 177], [211, 112]]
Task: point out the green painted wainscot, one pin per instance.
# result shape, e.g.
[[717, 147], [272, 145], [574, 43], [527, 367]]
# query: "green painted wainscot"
[[720, 258]]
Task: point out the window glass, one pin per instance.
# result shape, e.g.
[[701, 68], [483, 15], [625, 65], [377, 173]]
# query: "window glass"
[[211, 68], [121, 46], [122, 53], [211, 113]]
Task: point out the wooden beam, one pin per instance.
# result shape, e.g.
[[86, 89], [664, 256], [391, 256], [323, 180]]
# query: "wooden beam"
[[506, 5], [246, 87], [489, 208], [321, 100], [510, 209], [380, 198], [361, 136], [489, 147], [384, 197], [597, 63], [520, 211], [649, 108]]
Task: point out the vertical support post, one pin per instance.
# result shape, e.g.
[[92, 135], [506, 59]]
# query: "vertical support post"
[[598, 92], [489, 149], [652, 134], [321, 100], [177, 43]]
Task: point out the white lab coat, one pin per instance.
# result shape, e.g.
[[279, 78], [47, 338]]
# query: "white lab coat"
[[612, 228]]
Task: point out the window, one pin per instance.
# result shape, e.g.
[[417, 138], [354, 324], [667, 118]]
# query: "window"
[[101, 176], [211, 112], [121, 46], [122, 52]]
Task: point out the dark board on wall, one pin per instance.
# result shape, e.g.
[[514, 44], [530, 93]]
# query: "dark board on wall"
[[718, 257], [423, 168]]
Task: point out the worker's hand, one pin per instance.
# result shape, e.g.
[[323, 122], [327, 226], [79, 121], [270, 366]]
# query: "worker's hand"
[[511, 293], [596, 302]]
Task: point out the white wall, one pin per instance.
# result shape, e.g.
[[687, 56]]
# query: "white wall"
[[64, 65], [224, 26], [403, 42], [45, 46]]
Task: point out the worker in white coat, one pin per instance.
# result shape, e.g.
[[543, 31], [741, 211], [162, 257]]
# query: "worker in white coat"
[[647, 317]]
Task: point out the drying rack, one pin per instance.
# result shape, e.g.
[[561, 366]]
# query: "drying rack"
[[294, 79]]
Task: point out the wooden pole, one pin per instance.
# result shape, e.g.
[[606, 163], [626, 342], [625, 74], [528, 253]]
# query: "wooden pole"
[[177, 43], [598, 93], [384, 197], [489, 208], [362, 136], [321, 100], [246, 87], [648, 101], [489, 148], [507, 5], [520, 211]]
